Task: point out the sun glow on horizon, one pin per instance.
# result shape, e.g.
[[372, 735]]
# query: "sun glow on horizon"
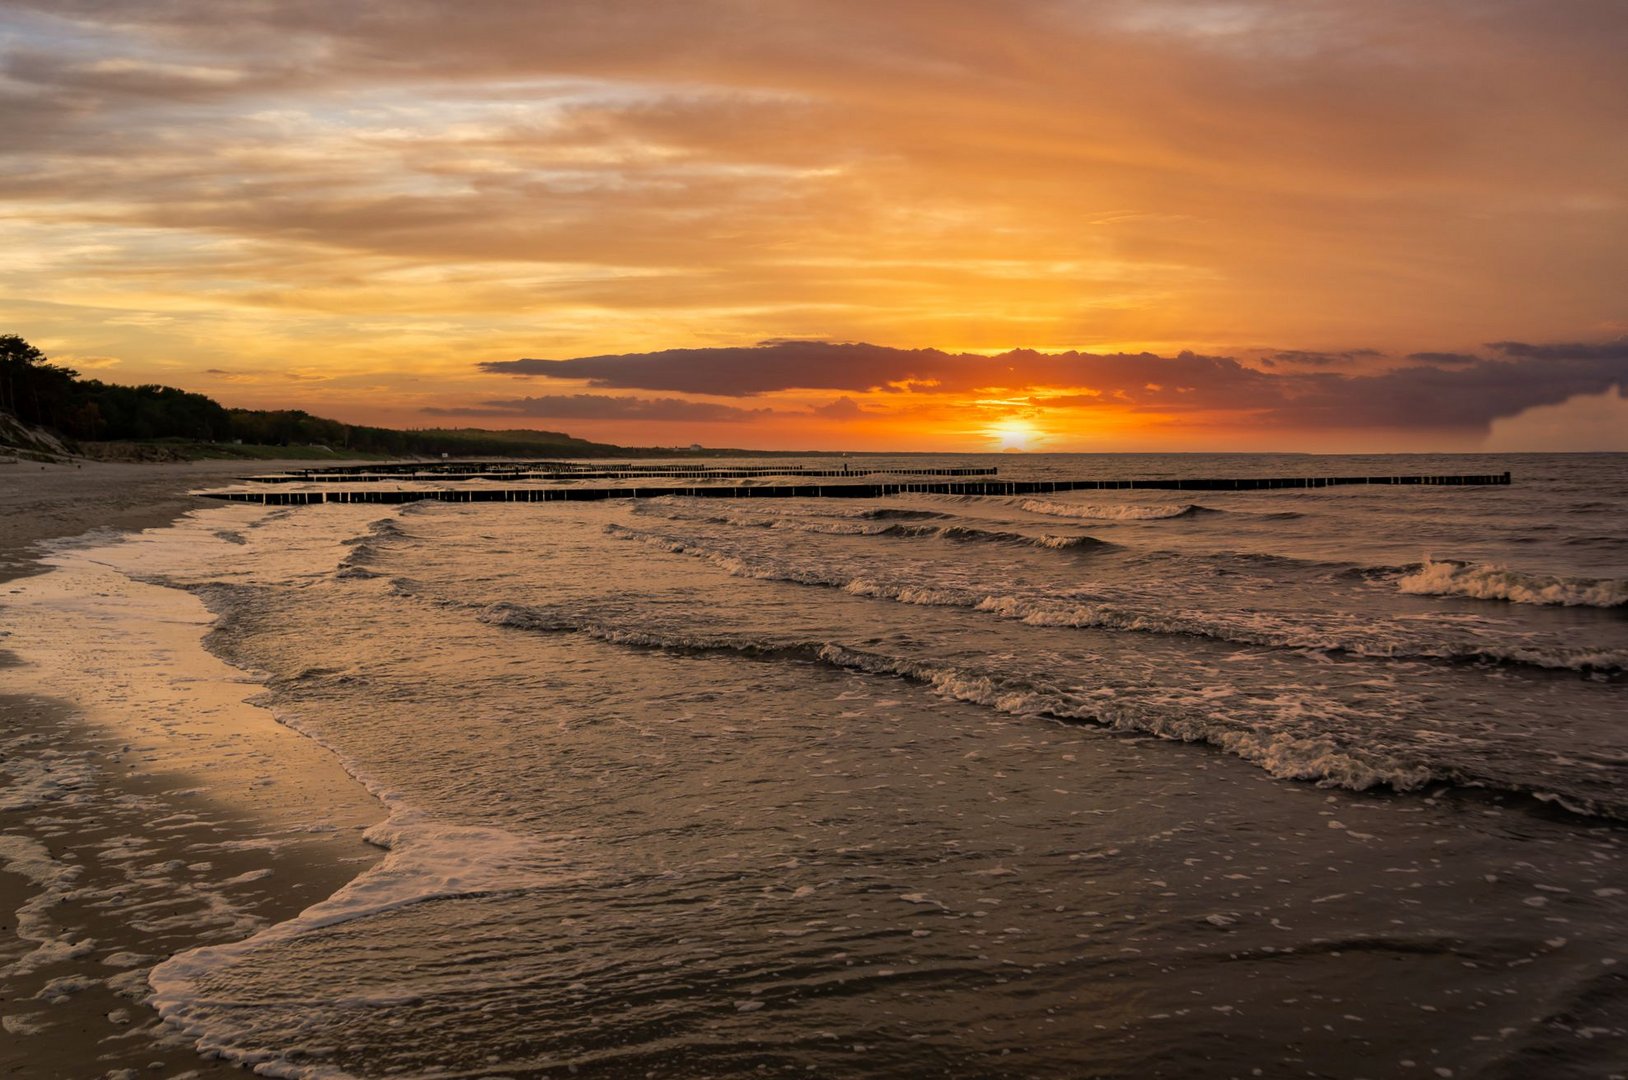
[[1015, 433]]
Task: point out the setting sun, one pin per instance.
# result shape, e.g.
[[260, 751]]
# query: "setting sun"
[[1015, 434]]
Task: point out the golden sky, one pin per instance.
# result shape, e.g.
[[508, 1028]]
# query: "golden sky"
[[1203, 224]]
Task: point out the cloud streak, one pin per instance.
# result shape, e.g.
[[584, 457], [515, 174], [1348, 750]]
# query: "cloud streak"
[[604, 407]]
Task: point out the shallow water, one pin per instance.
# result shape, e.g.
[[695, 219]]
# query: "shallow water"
[[1105, 784]]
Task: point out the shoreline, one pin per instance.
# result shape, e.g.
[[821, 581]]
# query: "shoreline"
[[145, 808], [44, 502]]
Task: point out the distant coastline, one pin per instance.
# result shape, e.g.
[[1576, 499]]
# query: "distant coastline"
[[49, 413]]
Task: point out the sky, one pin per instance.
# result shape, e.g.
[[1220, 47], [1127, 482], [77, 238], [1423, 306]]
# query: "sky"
[[1322, 225]]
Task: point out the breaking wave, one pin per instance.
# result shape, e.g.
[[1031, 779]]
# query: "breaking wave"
[[1112, 511], [366, 549], [1487, 582], [1361, 637], [898, 524], [991, 536], [1320, 757]]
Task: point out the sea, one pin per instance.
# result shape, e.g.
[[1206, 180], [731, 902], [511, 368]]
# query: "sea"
[[1122, 783]]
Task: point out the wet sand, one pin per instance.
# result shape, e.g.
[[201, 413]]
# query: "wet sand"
[[131, 829], [43, 502]]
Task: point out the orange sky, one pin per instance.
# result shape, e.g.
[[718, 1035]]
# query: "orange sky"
[[349, 206]]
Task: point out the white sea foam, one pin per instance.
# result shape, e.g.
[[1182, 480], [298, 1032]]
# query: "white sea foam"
[[1487, 582], [42, 777], [426, 861], [1388, 639], [1299, 755], [996, 536], [522, 617], [683, 508], [24, 1023], [1288, 755], [891, 523], [53, 879], [1109, 511], [31, 859]]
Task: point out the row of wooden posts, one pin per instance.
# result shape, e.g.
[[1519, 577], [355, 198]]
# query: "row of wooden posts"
[[371, 476], [830, 491]]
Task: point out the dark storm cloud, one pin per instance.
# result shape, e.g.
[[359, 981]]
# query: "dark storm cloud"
[[1467, 395], [1319, 359], [746, 371], [605, 407], [1452, 358], [1610, 350]]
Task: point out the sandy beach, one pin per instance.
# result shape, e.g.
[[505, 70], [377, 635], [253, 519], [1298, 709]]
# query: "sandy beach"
[[144, 808], [46, 501]]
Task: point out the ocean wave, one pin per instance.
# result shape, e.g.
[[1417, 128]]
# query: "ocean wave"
[[898, 513], [1488, 582], [385, 528], [1063, 543], [966, 533], [1610, 543], [849, 522], [1375, 639], [366, 548], [1284, 737], [1319, 758], [909, 529], [425, 861], [523, 617], [685, 508], [1112, 511], [1224, 562], [1314, 756], [1261, 629]]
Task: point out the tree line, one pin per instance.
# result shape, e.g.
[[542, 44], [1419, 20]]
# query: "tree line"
[[51, 396]]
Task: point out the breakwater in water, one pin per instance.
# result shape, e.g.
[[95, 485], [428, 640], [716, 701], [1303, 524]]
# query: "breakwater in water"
[[546, 471], [835, 491]]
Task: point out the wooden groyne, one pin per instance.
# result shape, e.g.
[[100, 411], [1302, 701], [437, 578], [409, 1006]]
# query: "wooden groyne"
[[833, 491], [632, 468], [374, 476]]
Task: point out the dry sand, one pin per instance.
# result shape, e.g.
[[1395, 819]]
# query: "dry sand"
[[130, 828]]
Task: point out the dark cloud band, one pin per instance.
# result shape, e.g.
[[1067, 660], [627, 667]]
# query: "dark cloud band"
[[1432, 391]]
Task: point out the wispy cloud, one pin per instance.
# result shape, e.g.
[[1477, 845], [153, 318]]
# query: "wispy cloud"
[[605, 407]]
